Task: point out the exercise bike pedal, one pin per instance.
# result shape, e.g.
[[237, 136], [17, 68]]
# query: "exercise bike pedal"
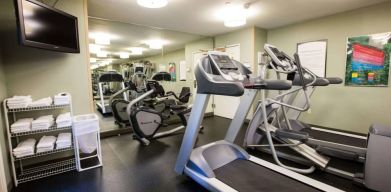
[[201, 129], [144, 142]]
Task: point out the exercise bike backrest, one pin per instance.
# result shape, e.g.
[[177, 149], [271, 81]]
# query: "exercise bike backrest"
[[158, 90], [183, 97]]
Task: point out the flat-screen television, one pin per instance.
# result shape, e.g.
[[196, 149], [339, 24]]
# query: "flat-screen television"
[[45, 27]]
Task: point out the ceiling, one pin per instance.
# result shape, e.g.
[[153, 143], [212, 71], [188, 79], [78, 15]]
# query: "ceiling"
[[125, 36], [201, 16]]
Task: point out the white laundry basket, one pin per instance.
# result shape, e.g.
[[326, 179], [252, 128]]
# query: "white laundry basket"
[[87, 140]]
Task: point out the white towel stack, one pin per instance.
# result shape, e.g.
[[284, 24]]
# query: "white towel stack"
[[64, 120], [21, 125], [19, 102], [64, 140], [62, 99], [41, 102], [46, 143], [42, 123], [25, 148]]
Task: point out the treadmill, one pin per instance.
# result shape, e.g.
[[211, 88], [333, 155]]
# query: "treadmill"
[[103, 104], [222, 165]]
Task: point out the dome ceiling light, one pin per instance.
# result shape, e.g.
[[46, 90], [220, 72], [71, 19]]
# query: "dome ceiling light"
[[153, 4]]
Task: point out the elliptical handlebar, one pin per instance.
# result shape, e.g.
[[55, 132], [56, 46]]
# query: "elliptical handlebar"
[[280, 60]]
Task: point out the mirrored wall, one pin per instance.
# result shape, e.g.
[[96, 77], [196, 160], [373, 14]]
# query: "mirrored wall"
[[123, 54]]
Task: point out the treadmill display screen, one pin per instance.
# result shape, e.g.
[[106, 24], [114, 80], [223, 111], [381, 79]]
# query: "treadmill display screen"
[[224, 62]]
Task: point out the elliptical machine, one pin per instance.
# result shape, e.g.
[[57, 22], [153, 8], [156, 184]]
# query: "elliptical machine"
[[146, 121]]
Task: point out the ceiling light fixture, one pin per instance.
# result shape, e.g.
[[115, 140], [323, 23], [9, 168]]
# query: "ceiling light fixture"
[[155, 44], [234, 16], [123, 55], [101, 38], [101, 54], [152, 3], [94, 48], [94, 67], [136, 50]]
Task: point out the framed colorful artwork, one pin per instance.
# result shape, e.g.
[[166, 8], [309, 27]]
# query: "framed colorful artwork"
[[368, 60]]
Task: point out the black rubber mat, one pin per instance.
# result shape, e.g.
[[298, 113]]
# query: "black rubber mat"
[[335, 138], [246, 176]]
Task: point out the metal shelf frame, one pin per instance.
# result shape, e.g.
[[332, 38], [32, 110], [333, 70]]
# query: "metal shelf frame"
[[45, 153], [24, 109], [51, 129], [46, 170], [22, 173]]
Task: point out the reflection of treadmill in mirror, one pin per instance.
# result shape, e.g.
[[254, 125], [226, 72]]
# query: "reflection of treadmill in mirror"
[[222, 165], [106, 78]]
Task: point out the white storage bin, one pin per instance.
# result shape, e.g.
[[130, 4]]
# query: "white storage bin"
[[87, 140]]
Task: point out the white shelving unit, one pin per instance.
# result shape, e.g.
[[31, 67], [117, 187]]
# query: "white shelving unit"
[[24, 173]]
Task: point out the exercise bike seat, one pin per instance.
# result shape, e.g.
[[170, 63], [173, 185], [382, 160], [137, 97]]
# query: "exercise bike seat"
[[178, 108]]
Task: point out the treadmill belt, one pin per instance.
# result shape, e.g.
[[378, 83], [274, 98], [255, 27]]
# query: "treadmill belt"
[[336, 138], [244, 175]]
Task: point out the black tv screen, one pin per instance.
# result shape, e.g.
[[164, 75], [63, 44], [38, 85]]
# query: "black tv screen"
[[45, 27]]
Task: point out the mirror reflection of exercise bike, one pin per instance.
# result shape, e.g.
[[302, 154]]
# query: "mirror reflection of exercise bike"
[[146, 113]]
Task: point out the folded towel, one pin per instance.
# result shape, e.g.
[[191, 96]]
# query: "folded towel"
[[65, 117], [18, 102], [64, 120], [43, 122], [64, 140], [42, 102], [46, 143], [21, 125], [24, 148], [22, 122], [64, 137]]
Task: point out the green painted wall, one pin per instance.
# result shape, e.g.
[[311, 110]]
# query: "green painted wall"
[[244, 37], [42, 73], [260, 38], [39, 72], [342, 107], [3, 132], [193, 47], [165, 58]]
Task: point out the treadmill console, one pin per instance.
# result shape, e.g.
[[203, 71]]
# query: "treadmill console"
[[226, 66]]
